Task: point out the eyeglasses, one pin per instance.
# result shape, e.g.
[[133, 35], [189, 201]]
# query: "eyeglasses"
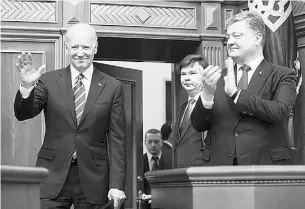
[[78, 48]]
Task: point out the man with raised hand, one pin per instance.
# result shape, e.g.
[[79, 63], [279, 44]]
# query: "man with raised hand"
[[84, 144]]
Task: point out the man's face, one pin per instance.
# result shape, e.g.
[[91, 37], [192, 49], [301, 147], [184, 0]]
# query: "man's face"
[[191, 79], [81, 49], [153, 143], [242, 42]]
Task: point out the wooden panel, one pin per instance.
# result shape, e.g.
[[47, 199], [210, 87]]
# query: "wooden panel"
[[143, 15], [20, 187], [28, 11], [31, 14], [147, 19], [20, 141]]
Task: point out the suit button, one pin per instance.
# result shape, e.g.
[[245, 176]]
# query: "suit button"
[[236, 134], [244, 111], [230, 154], [77, 135]]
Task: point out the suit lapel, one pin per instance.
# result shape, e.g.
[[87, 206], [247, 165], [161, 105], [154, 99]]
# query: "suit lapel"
[[96, 87], [256, 83], [259, 77], [146, 164], [65, 85], [182, 109]]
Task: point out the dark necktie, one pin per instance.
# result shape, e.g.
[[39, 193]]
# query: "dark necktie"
[[243, 82], [186, 118], [79, 97], [156, 163]]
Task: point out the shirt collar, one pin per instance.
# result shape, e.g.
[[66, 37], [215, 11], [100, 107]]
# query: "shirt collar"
[[195, 97], [87, 74], [149, 156], [253, 64]]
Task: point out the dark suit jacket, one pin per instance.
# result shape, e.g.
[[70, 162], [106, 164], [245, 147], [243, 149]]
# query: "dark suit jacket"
[[256, 126], [188, 145], [99, 139], [165, 163]]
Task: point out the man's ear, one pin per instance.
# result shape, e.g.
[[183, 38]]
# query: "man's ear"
[[95, 48], [259, 39]]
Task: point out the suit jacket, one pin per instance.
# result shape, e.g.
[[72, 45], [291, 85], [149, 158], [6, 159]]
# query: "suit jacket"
[[188, 145], [165, 162], [99, 139], [255, 128]]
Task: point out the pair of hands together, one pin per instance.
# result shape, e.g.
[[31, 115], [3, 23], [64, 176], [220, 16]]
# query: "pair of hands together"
[[212, 74]]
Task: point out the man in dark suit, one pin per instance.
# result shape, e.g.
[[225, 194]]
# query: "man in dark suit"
[[166, 132], [154, 159], [246, 111], [189, 144], [84, 145]]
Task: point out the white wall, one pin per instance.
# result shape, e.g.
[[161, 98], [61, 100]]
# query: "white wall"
[[154, 77]]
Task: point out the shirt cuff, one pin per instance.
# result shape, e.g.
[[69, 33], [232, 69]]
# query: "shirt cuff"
[[207, 104], [25, 92]]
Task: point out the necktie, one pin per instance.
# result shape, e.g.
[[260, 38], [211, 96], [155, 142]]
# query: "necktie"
[[79, 97], [243, 82], [186, 118], [156, 163]]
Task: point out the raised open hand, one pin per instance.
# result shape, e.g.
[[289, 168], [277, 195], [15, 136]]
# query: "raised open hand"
[[28, 74], [230, 85]]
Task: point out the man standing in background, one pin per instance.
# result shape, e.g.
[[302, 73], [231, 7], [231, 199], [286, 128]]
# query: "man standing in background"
[[166, 131], [189, 144], [154, 159], [84, 145]]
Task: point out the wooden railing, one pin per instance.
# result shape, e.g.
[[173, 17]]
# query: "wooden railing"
[[20, 187], [238, 187]]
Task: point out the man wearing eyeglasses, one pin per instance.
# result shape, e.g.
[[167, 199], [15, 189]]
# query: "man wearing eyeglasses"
[[246, 107], [84, 145]]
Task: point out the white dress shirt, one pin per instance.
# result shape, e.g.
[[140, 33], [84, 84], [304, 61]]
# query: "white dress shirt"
[[192, 107], [151, 161], [86, 80]]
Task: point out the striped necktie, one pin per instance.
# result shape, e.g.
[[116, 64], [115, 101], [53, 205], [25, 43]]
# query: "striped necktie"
[[79, 97], [186, 118]]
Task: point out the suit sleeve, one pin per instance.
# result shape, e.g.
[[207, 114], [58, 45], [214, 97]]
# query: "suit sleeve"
[[117, 141], [201, 118], [272, 110], [31, 106]]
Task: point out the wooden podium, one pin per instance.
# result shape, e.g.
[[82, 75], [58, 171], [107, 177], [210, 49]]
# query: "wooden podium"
[[20, 187], [229, 187]]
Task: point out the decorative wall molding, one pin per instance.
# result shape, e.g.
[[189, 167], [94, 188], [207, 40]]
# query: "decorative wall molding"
[[213, 54], [56, 39], [144, 16], [28, 11], [298, 7], [211, 14]]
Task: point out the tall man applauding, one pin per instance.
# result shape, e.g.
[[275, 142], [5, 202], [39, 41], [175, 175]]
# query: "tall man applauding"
[[245, 108]]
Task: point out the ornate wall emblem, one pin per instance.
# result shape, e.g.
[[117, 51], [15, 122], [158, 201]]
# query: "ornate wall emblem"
[[273, 12]]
